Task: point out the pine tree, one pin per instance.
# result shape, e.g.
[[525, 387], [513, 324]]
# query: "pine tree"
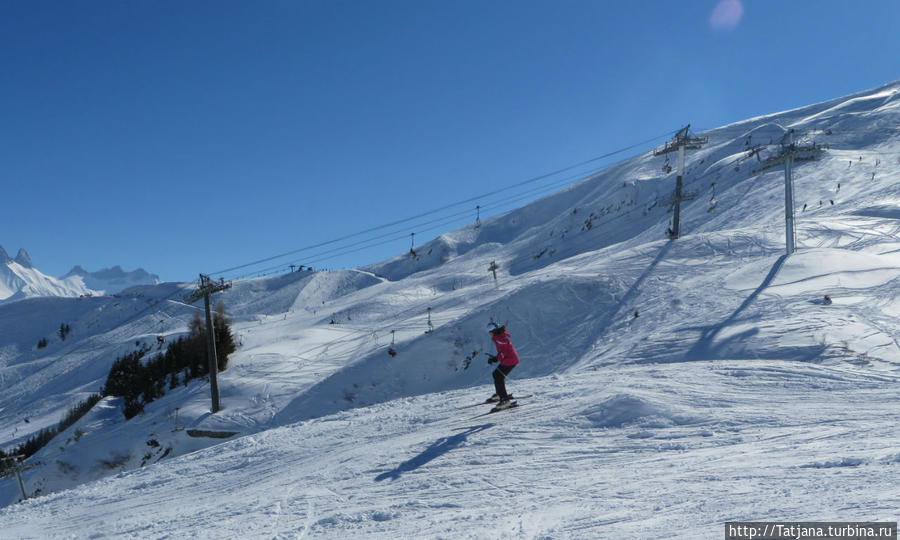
[[224, 338], [139, 384]]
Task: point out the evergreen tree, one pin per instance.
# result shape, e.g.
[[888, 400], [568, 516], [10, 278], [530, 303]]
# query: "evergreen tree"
[[195, 347], [224, 338], [138, 383], [126, 379]]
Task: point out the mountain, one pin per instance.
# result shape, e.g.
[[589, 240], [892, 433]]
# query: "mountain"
[[113, 280], [678, 384], [19, 279]]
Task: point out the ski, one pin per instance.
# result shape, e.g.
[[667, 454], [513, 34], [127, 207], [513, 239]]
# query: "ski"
[[469, 406], [512, 405]]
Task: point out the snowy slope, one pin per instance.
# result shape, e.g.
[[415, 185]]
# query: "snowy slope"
[[635, 452], [678, 384]]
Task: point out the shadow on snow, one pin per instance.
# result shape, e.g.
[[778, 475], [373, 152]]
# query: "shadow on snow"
[[437, 449], [706, 346]]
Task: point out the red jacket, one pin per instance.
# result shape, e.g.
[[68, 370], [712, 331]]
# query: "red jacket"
[[506, 353]]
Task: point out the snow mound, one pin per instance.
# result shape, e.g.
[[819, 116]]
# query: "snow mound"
[[624, 410], [890, 459], [843, 462]]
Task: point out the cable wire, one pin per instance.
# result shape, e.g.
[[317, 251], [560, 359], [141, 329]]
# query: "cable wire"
[[439, 209]]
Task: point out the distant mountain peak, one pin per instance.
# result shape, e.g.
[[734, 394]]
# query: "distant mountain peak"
[[23, 258], [23, 280], [76, 270], [113, 279]]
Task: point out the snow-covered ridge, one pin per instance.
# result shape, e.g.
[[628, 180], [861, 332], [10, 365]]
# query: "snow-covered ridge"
[[112, 280], [19, 279], [675, 382]]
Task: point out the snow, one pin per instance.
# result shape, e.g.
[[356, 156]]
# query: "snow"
[[677, 384], [19, 279], [579, 461]]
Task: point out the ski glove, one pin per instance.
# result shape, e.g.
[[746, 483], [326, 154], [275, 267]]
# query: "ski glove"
[[492, 359]]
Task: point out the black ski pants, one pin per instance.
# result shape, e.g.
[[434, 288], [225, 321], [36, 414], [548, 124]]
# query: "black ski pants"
[[500, 380]]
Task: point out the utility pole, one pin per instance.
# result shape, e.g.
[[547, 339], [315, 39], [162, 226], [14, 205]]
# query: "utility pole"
[[208, 287], [681, 142], [789, 153], [788, 142], [15, 463]]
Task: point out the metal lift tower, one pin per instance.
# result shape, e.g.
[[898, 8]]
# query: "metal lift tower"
[[681, 142], [789, 153], [208, 287]]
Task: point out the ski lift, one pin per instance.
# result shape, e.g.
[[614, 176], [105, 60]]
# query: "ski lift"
[[666, 167], [478, 216], [391, 350]]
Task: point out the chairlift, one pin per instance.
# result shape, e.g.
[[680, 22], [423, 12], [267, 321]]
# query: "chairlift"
[[391, 350], [430, 325], [666, 167]]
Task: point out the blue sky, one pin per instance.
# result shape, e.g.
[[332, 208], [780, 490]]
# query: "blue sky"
[[187, 137]]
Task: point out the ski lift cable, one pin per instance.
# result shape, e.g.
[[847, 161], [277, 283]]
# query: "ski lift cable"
[[505, 202], [438, 224], [427, 213], [440, 209], [398, 234], [368, 243]]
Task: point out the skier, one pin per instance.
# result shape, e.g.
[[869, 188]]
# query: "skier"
[[508, 359]]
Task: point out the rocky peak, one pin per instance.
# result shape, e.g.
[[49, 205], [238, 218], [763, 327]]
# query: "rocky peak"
[[23, 258]]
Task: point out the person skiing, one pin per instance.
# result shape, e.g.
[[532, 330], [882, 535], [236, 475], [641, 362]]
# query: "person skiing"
[[507, 358]]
